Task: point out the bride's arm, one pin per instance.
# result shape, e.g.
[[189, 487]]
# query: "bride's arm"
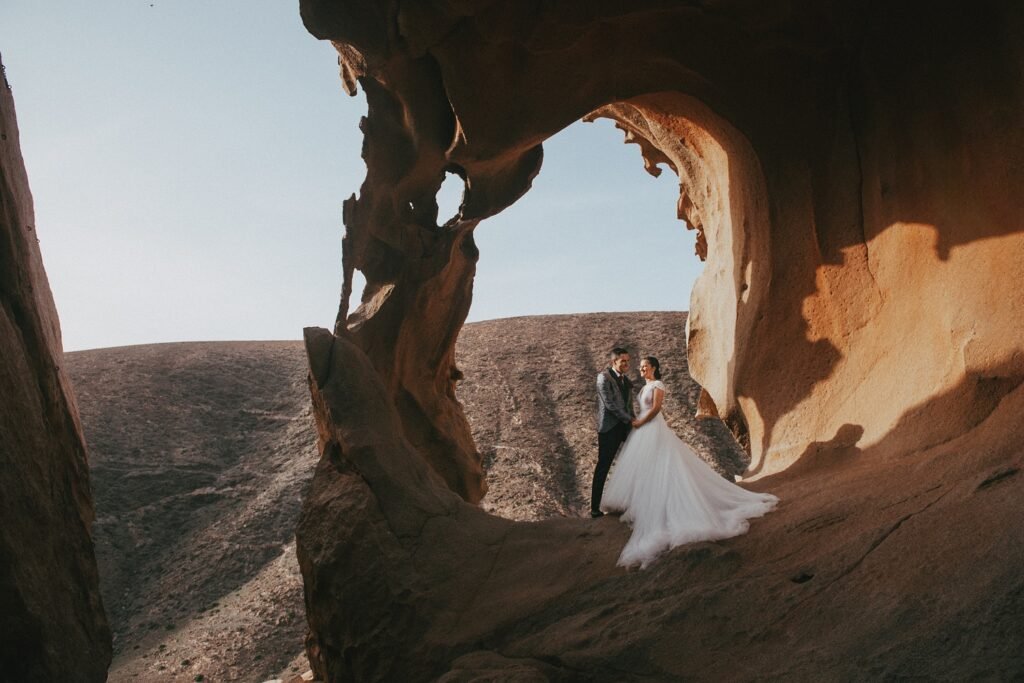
[[659, 396]]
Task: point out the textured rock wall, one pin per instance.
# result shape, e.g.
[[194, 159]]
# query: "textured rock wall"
[[52, 624], [894, 236], [849, 168], [852, 169]]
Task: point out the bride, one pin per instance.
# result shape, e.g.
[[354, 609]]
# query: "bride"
[[666, 492]]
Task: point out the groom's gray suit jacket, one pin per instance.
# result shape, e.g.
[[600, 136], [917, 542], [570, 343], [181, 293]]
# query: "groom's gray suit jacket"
[[612, 407]]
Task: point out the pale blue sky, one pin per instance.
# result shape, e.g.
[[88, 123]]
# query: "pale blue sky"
[[189, 159]]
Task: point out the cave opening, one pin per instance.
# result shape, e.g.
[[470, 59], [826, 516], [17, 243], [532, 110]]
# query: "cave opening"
[[588, 212]]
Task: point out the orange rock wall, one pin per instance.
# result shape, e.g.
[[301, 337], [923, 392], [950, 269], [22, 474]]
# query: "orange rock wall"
[[851, 170], [894, 237], [52, 624]]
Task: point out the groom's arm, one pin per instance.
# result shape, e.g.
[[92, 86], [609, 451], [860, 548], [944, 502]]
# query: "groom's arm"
[[611, 397]]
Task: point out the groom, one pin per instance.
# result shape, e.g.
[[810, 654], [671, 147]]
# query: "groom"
[[614, 419]]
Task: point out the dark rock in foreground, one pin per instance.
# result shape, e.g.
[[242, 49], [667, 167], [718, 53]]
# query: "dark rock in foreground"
[[52, 624]]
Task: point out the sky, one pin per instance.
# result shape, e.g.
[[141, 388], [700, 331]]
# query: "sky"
[[189, 159]]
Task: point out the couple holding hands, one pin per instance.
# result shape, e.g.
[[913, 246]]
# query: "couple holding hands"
[[660, 486]]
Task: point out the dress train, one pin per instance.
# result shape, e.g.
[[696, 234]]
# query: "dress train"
[[670, 496]]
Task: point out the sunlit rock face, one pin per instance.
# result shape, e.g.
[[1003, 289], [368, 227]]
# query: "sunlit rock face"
[[852, 173], [52, 624], [722, 196]]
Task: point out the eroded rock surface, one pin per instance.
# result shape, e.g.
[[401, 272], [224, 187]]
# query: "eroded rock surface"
[[849, 169], [52, 624], [852, 171], [371, 578]]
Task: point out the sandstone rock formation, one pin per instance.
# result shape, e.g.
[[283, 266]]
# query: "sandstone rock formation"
[[52, 625], [820, 149], [379, 524], [852, 169]]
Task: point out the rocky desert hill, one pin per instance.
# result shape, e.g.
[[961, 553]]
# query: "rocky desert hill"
[[200, 454]]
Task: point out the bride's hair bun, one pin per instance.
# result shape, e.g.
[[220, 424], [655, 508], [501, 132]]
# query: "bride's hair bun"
[[654, 364]]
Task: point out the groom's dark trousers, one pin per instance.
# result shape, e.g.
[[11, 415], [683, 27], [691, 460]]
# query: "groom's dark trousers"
[[608, 444]]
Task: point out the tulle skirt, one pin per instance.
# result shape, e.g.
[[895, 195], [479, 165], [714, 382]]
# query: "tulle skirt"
[[671, 497]]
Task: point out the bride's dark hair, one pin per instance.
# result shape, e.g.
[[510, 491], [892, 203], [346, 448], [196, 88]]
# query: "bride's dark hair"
[[654, 364]]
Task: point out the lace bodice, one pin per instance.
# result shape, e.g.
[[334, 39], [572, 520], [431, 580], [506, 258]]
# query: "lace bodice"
[[646, 397]]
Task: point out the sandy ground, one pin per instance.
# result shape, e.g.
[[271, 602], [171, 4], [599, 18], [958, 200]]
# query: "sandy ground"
[[200, 452]]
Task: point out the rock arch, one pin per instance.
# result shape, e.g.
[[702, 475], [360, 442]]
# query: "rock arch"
[[823, 195], [419, 274], [807, 126]]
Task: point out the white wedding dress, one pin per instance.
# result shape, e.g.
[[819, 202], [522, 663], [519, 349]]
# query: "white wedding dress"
[[669, 495]]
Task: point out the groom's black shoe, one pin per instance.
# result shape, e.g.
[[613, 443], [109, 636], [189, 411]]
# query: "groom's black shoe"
[[596, 513]]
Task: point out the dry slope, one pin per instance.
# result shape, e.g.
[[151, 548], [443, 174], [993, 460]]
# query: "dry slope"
[[199, 454]]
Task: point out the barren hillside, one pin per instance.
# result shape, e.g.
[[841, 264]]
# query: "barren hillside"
[[200, 453]]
